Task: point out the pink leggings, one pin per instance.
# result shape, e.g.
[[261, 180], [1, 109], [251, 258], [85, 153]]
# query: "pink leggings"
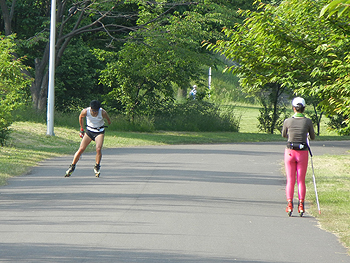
[[296, 165]]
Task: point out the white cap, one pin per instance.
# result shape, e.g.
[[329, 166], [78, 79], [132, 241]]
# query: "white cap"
[[298, 100], [194, 86]]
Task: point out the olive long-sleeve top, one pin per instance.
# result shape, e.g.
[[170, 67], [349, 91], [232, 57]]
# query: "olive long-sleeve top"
[[296, 129]]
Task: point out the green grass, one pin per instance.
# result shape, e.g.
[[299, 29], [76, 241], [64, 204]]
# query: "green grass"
[[333, 188], [249, 120], [29, 143]]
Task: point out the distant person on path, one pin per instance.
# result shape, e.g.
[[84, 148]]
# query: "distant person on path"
[[95, 130], [193, 92], [296, 155]]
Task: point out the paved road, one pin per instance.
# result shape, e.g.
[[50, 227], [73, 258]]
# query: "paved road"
[[181, 204]]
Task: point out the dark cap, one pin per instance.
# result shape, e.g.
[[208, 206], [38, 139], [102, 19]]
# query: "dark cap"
[[95, 105]]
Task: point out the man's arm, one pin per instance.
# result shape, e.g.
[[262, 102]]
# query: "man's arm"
[[105, 115], [81, 119]]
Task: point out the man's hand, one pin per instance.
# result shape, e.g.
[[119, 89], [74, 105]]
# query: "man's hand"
[[81, 134]]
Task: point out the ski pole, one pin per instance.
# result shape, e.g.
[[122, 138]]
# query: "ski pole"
[[314, 179]]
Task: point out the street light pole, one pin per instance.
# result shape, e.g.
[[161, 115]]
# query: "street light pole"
[[209, 80], [51, 88]]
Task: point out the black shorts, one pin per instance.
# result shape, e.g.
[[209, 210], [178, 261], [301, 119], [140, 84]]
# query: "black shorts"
[[93, 135]]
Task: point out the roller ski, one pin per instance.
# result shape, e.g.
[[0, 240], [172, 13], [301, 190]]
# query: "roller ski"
[[70, 170], [289, 208], [301, 208], [97, 171]]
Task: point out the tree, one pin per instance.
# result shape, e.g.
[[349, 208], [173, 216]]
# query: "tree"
[[336, 66], [167, 53], [270, 115], [110, 20], [337, 8], [12, 83], [103, 24], [76, 78], [291, 46], [144, 74]]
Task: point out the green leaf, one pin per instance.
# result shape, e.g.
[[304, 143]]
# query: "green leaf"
[[324, 10]]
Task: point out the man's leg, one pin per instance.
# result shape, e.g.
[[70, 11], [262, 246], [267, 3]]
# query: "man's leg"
[[84, 143], [99, 143]]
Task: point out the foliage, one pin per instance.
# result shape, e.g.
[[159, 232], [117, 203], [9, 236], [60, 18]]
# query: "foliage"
[[140, 78], [98, 22], [225, 88], [338, 123], [104, 25], [77, 78], [336, 66], [187, 116], [167, 35], [167, 54], [5, 122], [271, 98], [139, 124], [174, 27], [270, 118], [336, 7], [316, 113], [12, 84], [290, 45], [194, 115]]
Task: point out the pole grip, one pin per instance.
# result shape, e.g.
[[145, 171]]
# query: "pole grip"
[[308, 144], [309, 150]]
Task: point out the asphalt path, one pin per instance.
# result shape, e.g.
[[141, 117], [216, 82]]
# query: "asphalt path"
[[181, 204]]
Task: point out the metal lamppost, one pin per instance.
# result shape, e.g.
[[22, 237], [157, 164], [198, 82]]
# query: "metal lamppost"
[[209, 80], [51, 88]]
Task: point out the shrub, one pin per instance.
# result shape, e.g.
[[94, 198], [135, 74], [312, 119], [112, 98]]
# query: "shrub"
[[139, 123], [5, 122], [12, 83], [191, 115], [268, 121], [339, 124], [195, 115]]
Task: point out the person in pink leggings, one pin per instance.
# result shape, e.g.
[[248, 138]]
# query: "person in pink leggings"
[[297, 129]]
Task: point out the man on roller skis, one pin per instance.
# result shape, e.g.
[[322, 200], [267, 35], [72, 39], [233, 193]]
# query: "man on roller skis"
[[95, 130]]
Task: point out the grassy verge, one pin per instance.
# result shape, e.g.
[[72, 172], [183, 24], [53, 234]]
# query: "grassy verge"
[[333, 187], [29, 144]]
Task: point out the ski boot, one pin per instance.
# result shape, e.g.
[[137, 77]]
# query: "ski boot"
[[70, 170], [289, 208], [301, 208], [97, 170]]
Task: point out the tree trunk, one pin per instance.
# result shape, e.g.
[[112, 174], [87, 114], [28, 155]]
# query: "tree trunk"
[[276, 92], [182, 93], [7, 16], [318, 119], [38, 88]]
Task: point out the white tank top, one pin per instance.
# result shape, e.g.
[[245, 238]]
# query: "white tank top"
[[94, 124]]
